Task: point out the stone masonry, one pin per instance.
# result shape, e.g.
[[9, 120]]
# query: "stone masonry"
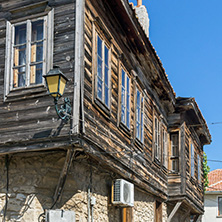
[[33, 178]]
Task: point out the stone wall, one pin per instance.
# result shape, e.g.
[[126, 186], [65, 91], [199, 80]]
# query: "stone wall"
[[32, 179]]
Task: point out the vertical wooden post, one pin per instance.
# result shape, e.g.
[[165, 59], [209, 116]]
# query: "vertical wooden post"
[[127, 214]]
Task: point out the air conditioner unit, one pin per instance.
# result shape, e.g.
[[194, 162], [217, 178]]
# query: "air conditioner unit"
[[60, 216], [123, 193]]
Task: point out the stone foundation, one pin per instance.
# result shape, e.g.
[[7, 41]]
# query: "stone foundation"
[[33, 178]]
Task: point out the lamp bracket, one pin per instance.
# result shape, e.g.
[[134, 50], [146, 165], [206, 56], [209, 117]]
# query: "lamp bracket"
[[64, 112]]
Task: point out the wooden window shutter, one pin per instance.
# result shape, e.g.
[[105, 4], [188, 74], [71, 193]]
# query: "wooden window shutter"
[[127, 214]]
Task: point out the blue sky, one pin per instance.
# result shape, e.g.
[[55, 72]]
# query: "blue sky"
[[187, 35]]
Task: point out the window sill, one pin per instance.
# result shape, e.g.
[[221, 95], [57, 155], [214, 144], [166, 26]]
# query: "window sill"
[[102, 108], [26, 93]]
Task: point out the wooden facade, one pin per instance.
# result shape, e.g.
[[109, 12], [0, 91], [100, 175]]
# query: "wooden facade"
[[142, 150]]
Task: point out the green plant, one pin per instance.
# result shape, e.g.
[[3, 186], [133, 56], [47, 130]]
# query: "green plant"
[[206, 170]]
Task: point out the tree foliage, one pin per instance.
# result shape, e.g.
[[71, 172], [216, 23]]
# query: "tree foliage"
[[206, 170]]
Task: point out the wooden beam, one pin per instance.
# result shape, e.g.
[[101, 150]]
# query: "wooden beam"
[[79, 67], [62, 179], [173, 212], [196, 217]]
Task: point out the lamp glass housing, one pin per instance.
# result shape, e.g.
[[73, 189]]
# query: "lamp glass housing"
[[56, 82]]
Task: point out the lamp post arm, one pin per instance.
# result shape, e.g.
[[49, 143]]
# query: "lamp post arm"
[[64, 112]]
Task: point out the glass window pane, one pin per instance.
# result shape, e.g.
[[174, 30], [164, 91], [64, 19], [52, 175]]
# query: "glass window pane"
[[20, 34], [106, 75], [99, 88], [141, 137], [127, 84], [106, 56], [123, 97], [38, 78], [220, 205], [128, 110], [37, 30], [20, 55], [128, 119], [138, 107], [128, 103], [37, 52], [138, 114], [123, 78], [99, 67], [21, 79], [137, 130], [192, 160], [99, 46], [138, 99], [123, 114]]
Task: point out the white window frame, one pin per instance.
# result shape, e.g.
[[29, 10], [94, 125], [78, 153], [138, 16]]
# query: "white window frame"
[[192, 160], [47, 51], [125, 98], [140, 116], [199, 168], [165, 147], [157, 138], [104, 44]]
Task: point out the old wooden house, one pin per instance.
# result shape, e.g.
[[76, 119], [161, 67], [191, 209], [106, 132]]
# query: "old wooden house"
[[130, 151]]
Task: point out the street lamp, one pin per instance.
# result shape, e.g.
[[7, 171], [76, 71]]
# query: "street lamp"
[[56, 82]]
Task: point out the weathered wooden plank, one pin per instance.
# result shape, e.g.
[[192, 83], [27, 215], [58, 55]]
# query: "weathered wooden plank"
[[173, 212]]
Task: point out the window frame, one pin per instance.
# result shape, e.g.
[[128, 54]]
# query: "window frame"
[[141, 114], [47, 62], [199, 168], [218, 208], [174, 157], [192, 159], [165, 147], [127, 98], [157, 139], [106, 44]]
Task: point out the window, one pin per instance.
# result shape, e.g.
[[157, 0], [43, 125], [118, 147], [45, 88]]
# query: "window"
[[174, 152], [125, 99], [192, 160], [157, 139], [103, 72], [219, 206], [28, 52], [139, 116], [199, 168], [165, 149]]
